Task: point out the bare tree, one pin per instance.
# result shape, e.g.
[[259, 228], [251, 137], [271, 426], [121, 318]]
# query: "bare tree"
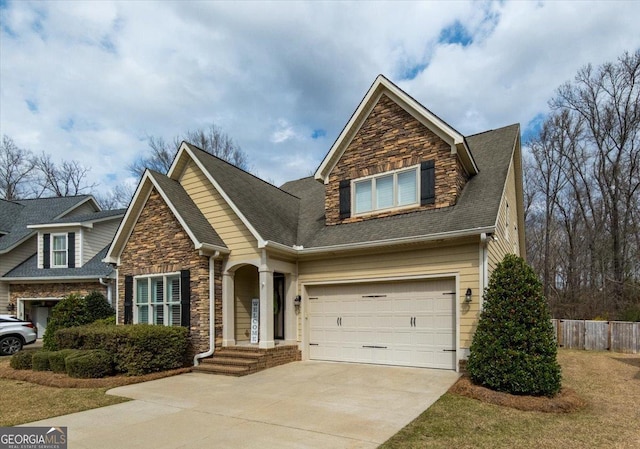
[[16, 167], [212, 140], [583, 224], [67, 178], [119, 197]]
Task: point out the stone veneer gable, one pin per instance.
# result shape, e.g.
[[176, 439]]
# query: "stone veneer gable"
[[390, 139], [158, 244]]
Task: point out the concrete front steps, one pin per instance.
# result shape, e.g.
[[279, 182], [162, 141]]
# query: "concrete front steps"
[[244, 360]]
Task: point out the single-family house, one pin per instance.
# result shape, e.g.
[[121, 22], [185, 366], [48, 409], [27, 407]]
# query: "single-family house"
[[51, 247], [380, 257]]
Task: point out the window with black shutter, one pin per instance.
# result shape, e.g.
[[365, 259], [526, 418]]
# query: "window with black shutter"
[[345, 199], [46, 250], [427, 182], [128, 299]]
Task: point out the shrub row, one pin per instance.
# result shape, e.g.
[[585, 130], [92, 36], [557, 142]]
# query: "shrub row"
[[93, 363], [136, 349]]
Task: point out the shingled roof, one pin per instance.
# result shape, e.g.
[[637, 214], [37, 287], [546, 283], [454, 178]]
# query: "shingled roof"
[[17, 215], [187, 210]]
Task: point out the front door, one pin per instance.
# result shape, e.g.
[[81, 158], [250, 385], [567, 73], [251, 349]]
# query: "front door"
[[278, 306]]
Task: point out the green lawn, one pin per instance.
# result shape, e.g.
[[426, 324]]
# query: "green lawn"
[[609, 382]]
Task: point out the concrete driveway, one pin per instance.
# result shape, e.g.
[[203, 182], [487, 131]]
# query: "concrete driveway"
[[298, 405]]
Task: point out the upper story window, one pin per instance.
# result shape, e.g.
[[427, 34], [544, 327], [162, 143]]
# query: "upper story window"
[[59, 250], [387, 190], [157, 300]]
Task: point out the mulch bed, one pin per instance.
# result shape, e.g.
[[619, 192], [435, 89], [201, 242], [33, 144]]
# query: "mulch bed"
[[50, 379], [566, 401]]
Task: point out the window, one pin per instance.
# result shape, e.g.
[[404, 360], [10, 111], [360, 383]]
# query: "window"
[[386, 191], [59, 251], [158, 300]]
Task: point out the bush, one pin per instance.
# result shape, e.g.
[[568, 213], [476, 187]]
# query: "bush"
[[40, 361], [91, 364], [138, 349], [631, 313], [75, 310], [22, 360], [513, 349], [57, 359], [110, 321]]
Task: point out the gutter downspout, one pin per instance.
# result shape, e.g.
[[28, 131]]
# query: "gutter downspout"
[[212, 312], [109, 286], [484, 238]]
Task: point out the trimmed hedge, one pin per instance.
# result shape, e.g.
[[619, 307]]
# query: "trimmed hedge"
[[90, 364], [57, 359], [41, 361], [137, 349], [22, 360], [75, 310]]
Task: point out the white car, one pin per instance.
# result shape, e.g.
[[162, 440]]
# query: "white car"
[[15, 333]]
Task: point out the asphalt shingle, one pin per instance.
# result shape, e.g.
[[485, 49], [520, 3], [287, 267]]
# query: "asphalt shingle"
[[93, 268]]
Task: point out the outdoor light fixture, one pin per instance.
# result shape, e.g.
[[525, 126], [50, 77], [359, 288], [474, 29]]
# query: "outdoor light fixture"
[[467, 295], [11, 307], [297, 300]]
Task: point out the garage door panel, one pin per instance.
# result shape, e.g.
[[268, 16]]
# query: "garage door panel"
[[404, 323]]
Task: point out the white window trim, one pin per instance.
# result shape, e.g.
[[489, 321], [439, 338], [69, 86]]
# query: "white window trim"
[[395, 207], [52, 251], [151, 304]]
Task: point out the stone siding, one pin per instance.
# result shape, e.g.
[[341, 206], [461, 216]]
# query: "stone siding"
[[391, 139], [54, 290], [159, 245]]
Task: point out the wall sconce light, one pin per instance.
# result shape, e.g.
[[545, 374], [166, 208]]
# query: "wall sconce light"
[[297, 300], [11, 307], [467, 295]]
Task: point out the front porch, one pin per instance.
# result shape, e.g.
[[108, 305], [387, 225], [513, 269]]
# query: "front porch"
[[244, 360], [258, 304]]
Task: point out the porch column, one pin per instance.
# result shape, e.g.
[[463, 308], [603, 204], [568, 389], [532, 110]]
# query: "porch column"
[[228, 298], [266, 308], [291, 317]]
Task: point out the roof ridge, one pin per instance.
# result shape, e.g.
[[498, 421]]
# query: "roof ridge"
[[492, 130]]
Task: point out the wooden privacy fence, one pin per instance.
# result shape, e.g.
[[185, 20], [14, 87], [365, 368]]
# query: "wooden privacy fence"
[[616, 336]]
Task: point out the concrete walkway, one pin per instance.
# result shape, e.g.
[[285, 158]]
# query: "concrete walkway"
[[298, 405]]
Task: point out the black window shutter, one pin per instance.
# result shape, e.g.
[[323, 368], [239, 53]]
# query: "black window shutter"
[[427, 182], [71, 250], [128, 299], [345, 198], [46, 250], [185, 298]]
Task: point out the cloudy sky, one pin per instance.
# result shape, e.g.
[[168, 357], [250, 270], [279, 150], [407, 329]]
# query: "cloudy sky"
[[91, 80]]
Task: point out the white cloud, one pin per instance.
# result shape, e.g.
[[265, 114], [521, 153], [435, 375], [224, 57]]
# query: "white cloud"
[[270, 74]]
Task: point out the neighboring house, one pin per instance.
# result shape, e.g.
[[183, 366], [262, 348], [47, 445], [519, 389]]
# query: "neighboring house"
[[380, 257], [49, 248]]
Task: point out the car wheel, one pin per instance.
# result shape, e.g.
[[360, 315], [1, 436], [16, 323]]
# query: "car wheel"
[[10, 345]]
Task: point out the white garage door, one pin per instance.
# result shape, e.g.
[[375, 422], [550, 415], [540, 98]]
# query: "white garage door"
[[395, 323]]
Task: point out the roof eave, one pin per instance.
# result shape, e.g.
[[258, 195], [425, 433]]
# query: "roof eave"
[[53, 278], [397, 241]]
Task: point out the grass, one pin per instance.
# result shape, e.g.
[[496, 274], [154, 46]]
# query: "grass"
[[29, 396], [609, 382], [24, 402]]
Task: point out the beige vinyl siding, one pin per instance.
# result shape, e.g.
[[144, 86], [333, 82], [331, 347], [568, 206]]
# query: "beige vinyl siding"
[[508, 241], [245, 288], [17, 255], [224, 220], [461, 259], [11, 260], [94, 240]]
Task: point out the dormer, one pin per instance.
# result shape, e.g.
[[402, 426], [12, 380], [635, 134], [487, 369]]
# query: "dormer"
[[73, 241], [394, 156]]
